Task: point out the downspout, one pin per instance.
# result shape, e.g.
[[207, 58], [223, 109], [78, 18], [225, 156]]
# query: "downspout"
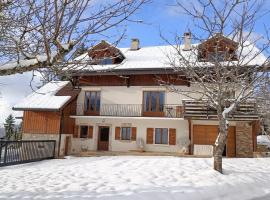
[[61, 130]]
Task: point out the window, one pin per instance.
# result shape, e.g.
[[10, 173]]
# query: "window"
[[106, 61], [125, 133], [84, 132], [153, 101], [92, 102], [161, 136]]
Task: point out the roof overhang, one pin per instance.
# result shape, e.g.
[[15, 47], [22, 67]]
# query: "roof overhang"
[[118, 117], [36, 109], [127, 72]]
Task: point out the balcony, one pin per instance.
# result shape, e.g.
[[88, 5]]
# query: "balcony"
[[131, 110], [193, 109]]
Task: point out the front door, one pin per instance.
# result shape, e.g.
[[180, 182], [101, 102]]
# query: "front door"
[[103, 138]]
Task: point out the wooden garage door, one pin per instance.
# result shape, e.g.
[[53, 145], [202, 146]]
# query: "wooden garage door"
[[207, 134]]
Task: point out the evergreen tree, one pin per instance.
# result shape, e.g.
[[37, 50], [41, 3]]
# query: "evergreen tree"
[[10, 127]]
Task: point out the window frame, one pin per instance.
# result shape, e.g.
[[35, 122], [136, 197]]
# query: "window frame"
[[130, 133], [87, 129], [161, 136], [88, 102], [153, 102]]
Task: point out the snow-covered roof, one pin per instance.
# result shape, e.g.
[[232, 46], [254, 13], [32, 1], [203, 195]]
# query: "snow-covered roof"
[[157, 57], [143, 58], [45, 98]]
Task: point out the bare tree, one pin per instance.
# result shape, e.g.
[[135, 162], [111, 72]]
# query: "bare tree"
[[262, 95], [45, 34], [225, 67]]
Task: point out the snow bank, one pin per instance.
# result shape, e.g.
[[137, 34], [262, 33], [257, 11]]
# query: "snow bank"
[[263, 140], [144, 178]]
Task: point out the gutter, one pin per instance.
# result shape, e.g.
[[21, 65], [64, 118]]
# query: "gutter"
[[36, 109]]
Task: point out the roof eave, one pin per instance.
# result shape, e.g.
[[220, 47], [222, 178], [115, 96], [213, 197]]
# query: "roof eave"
[[37, 109], [126, 71]]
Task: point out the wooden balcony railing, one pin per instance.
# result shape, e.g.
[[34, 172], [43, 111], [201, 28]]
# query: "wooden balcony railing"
[[193, 109], [132, 110]]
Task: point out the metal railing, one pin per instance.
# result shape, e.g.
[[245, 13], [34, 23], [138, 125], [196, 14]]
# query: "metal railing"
[[17, 152], [133, 110]]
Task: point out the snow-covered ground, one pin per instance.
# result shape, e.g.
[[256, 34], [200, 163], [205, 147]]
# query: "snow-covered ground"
[[131, 177], [263, 140]]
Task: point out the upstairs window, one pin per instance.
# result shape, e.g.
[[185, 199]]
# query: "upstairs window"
[[106, 61], [92, 102], [153, 101]]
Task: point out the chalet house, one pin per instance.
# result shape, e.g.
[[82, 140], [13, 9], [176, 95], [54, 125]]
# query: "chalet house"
[[117, 104]]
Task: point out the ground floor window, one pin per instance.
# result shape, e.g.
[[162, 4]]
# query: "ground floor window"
[[161, 136], [125, 133], [84, 132]]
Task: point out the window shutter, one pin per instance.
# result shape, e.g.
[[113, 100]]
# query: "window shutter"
[[150, 136], [134, 133], [117, 133], [172, 136], [76, 131], [90, 132]]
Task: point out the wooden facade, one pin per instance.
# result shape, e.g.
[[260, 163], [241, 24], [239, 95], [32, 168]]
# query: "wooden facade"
[[132, 80], [53, 122], [68, 124], [218, 47], [41, 122]]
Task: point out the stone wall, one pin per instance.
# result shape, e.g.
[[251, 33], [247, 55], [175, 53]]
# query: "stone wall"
[[244, 142], [29, 136]]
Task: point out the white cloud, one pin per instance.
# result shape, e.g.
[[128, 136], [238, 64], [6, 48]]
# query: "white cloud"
[[12, 89]]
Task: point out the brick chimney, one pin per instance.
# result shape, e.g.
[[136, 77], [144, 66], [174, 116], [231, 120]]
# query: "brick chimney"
[[135, 44], [187, 41]]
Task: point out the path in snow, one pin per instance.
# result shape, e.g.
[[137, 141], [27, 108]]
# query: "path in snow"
[[131, 177]]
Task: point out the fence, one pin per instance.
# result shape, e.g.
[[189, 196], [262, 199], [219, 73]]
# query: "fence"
[[17, 152]]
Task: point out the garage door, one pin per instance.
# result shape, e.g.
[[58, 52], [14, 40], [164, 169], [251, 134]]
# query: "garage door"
[[207, 134]]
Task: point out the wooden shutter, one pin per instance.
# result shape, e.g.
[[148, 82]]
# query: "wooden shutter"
[[76, 131], [133, 133], [150, 136], [172, 136], [90, 132], [117, 133]]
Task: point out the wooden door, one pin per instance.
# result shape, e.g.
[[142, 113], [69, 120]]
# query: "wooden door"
[[67, 145], [153, 103], [204, 134], [207, 134], [103, 138], [92, 103]]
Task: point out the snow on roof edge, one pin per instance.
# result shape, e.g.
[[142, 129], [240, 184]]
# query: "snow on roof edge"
[[44, 98]]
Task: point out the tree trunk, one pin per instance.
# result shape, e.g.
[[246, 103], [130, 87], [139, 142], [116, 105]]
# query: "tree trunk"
[[220, 143]]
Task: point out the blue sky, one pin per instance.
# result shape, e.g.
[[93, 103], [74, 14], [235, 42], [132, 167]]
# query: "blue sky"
[[161, 16]]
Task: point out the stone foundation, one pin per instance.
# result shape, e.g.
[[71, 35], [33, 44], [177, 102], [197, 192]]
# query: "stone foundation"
[[29, 136], [244, 142]]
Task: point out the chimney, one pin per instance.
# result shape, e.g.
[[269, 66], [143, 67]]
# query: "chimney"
[[135, 44], [187, 41]]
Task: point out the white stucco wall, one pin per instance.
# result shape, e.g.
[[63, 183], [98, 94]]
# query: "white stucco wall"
[[142, 124], [129, 95]]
